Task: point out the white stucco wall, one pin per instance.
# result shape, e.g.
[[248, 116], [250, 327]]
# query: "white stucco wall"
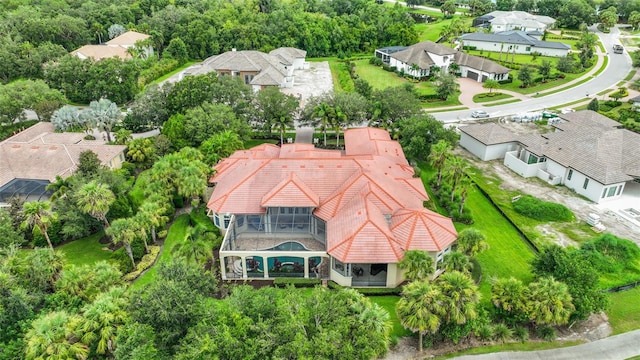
[[519, 49], [577, 183], [298, 64], [521, 167], [484, 152]]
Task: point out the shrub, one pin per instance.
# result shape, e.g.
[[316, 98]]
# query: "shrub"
[[55, 235], [162, 234], [612, 103], [147, 261], [121, 259], [546, 333], [296, 282], [158, 69], [534, 208], [484, 332], [505, 81], [374, 60], [521, 333], [502, 333]]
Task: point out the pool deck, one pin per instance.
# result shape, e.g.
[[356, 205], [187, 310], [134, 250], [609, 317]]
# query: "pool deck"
[[261, 242]]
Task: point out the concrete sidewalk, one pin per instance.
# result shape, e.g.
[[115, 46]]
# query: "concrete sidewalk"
[[618, 347]]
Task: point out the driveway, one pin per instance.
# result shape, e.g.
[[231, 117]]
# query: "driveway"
[[617, 347]]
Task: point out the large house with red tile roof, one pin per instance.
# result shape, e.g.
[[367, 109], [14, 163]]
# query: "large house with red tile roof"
[[348, 216], [117, 47]]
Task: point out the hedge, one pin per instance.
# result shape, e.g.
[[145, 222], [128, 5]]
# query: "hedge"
[[296, 282], [537, 209]]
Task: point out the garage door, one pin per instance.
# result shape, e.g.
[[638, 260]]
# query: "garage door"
[[484, 78], [472, 75]]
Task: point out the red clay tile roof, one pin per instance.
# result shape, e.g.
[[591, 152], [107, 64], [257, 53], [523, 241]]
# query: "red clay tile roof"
[[356, 192]]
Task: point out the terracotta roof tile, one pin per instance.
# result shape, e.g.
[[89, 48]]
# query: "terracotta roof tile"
[[291, 192]]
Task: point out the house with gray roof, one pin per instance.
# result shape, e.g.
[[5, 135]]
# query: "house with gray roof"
[[418, 60], [514, 41], [588, 153], [255, 68]]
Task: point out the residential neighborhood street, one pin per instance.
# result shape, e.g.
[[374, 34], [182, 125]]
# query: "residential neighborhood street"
[[617, 69]]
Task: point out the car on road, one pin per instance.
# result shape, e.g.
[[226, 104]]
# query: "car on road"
[[479, 114], [618, 49]]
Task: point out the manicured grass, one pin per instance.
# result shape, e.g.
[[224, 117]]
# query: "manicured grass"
[[630, 76], [528, 346], [175, 235], [447, 109], [167, 75], [503, 102], [624, 311], [490, 96], [377, 77], [517, 58], [508, 255], [86, 251], [137, 192], [389, 303]]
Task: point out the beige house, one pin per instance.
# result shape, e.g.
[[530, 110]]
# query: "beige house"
[[116, 47], [33, 158]]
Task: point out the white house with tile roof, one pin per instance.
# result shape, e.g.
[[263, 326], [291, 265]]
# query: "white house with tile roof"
[[116, 47], [514, 41], [518, 20], [298, 211], [417, 60], [255, 68], [588, 153]]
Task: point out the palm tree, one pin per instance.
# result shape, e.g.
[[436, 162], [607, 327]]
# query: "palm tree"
[[95, 199], [38, 215], [338, 120], [550, 302], [124, 231], [461, 297], [52, 337], [420, 308], [192, 182], [465, 185], [457, 168], [509, 294], [322, 111], [197, 246], [103, 114], [281, 123], [376, 319], [59, 188], [102, 318], [151, 213], [417, 265], [471, 242], [439, 154], [457, 261]]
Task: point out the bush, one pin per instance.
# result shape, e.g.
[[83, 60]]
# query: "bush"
[[612, 103], [505, 81], [546, 333], [121, 259], [484, 332], [534, 208], [162, 234], [54, 232], [158, 69], [147, 261], [469, 47], [502, 333], [296, 282], [374, 60], [521, 333]]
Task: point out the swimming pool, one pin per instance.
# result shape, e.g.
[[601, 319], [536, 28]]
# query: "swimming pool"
[[289, 246]]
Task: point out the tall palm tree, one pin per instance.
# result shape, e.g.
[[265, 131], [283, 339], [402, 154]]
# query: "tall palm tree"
[[151, 213], [417, 265], [471, 242], [125, 231], [461, 297], [338, 120], [95, 199], [376, 319], [457, 261], [457, 168], [281, 123], [420, 308], [52, 336], [439, 154], [192, 181], [323, 112], [550, 302], [101, 319], [465, 185], [38, 215]]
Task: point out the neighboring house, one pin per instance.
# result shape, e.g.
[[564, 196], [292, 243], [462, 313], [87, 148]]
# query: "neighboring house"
[[417, 61], [587, 153], [116, 47], [255, 68], [350, 216], [31, 159], [499, 21], [514, 41]]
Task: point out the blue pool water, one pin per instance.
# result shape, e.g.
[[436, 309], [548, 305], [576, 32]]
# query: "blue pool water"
[[289, 246]]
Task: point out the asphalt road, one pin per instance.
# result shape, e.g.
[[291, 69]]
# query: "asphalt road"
[[618, 347], [617, 69]]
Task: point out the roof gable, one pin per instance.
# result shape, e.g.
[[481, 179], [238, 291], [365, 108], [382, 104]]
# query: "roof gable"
[[291, 192], [423, 229]]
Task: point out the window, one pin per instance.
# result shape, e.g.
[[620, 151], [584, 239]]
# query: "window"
[[604, 193], [612, 191], [248, 78], [216, 220], [528, 48], [227, 220], [532, 159], [570, 174], [619, 189], [586, 183]]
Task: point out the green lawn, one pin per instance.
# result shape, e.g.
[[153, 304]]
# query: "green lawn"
[[490, 96], [516, 346], [166, 76], [377, 77], [508, 254], [624, 311], [175, 235], [86, 251], [389, 303], [137, 192]]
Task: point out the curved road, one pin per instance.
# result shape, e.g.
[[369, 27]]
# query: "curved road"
[[617, 69], [616, 347]]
